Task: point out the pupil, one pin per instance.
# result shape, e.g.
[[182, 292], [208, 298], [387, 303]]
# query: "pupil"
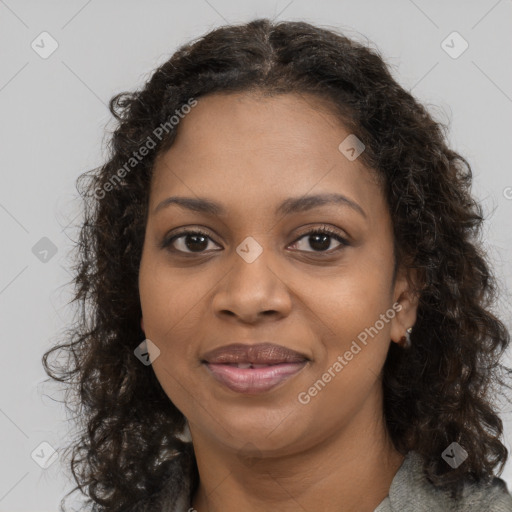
[[319, 242], [323, 244], [191, 247]]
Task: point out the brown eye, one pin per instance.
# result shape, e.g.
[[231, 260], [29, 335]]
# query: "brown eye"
[[190, 242], [197, 241], [320, 240]]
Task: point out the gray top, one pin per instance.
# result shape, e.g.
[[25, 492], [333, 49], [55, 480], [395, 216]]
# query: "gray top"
[[410, 491]]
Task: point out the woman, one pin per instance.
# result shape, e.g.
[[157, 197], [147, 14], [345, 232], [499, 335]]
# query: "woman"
[[285, 301]]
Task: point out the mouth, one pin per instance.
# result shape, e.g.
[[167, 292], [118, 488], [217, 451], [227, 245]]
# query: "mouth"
[[253, 369], [252, 379]]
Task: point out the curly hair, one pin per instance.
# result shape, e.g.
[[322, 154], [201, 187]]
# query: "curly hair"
[[128, 447]]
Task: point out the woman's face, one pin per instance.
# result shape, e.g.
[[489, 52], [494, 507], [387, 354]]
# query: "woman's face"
[[257, 276]]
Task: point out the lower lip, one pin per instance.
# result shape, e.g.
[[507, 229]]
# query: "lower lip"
[[253, 380]]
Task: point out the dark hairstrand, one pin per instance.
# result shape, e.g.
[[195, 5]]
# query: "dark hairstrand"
[[127, 453]]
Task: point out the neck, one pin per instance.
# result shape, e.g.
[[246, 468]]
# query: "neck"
[[351, 470]]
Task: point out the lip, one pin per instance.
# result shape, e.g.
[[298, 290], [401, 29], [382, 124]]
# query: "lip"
[[265, 366], [262, 353], [254, 380]]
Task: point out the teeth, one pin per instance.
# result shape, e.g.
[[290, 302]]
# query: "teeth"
[[251, 365]]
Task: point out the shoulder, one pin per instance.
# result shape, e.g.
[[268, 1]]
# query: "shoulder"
[[492, 497], [410, 491]]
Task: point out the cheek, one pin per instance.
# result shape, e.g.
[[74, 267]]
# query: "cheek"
[[169, 319], [353, 298], [355, 342], [348, 306], [167, 299], [167, 311]]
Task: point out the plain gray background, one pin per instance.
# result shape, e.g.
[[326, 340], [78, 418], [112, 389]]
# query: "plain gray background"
[[53, 119]]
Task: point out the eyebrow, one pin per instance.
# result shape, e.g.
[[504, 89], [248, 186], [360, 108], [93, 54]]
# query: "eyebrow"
[[287, 207]]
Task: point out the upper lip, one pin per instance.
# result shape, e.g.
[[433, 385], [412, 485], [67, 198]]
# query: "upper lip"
[[262, 353]]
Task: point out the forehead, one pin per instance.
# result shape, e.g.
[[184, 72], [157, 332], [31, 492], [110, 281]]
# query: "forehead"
[[225, 124], [256, 149]]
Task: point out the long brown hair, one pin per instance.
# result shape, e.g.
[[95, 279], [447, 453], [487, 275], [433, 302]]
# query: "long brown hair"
[[437, 392]]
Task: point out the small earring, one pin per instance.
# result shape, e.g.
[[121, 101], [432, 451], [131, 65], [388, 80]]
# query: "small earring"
[[406, 340]]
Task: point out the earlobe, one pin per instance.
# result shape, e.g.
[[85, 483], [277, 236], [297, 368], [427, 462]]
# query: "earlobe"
[[407, 296], [404, 320]]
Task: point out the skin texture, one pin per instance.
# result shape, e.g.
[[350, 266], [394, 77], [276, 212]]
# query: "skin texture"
[[268, 451]]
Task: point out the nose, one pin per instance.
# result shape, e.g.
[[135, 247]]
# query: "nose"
[[251, 292]]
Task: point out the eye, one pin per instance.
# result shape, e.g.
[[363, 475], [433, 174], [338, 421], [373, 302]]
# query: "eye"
[[320, 240], [196, 241]]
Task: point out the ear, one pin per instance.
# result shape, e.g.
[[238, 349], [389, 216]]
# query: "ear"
[[406, 294], [142, 324]]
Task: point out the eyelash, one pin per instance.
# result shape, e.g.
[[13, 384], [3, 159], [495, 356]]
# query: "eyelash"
[[322, 230]]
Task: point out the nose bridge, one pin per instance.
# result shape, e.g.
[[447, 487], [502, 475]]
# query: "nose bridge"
[[252, 286], [252, 266]]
